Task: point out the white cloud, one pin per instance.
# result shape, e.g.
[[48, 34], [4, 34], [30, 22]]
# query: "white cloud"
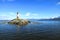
[[8, 16], [7, 0], [3, 0], [32, 15], [12, 15], [35, 14], [10, 0], [27, 14], [4, 17], [58, 3]]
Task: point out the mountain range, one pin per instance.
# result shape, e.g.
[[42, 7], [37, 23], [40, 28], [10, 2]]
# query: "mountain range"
[[56, 19]]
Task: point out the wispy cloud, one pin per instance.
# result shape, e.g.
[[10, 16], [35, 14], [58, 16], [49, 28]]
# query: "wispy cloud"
[[8, 16], [58, 3], [32, 15], [10, 0], [27, 14], [4, 17], [3, 0], [7, 0], [12, 15]]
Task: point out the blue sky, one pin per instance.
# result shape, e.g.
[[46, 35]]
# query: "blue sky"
[[29, 9]]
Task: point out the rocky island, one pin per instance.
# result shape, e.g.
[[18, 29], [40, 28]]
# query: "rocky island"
[[18, 21]]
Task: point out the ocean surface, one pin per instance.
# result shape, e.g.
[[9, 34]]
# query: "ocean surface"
[[44, 30]]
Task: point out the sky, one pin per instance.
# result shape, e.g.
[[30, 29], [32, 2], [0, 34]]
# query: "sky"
[[29, 9]]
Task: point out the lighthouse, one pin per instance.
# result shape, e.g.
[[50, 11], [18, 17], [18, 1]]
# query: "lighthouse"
[[18, 21], [17, 16]]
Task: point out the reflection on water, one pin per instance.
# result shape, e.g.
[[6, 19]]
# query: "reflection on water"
[[47, 30]]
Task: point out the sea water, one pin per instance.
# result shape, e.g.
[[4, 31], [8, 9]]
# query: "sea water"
[[44, 30]]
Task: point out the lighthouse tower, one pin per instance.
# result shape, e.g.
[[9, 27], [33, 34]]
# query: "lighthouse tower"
[[17, 15]]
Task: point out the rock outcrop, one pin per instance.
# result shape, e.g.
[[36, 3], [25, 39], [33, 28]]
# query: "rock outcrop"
[[18, 21]]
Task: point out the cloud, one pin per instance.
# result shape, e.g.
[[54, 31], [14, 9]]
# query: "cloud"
[[27, 14], [12, 15], [10, 0], [8, 16], [3, 0], [3, 17], [7, 0], [32, 15], [58, 3]]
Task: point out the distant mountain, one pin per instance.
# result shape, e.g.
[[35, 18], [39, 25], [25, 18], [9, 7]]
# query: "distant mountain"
[[56, 19]]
